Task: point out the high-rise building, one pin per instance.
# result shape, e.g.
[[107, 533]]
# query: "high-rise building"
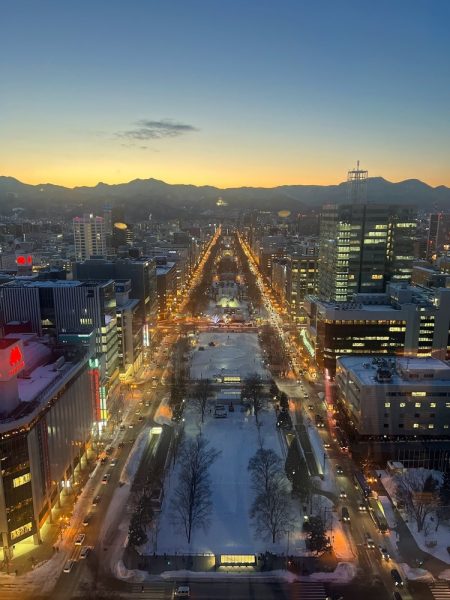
[[89, 236], [59, 307], [363, 247], [438, 233]]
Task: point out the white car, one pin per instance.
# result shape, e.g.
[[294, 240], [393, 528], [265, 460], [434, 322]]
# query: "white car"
[[79, 539], [343, 494], [182, 591]]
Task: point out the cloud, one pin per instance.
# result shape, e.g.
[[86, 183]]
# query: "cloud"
[[156, 130]]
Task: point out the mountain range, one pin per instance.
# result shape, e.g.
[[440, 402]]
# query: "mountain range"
[[163, 200]]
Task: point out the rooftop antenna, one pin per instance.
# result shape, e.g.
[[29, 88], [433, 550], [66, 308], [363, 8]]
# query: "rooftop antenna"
[[357, 185]]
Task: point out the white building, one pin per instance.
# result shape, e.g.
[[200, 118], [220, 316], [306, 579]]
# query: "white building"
[[394, 397], [89, 237]]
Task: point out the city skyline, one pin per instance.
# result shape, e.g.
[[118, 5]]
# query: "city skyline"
[[224, 95]]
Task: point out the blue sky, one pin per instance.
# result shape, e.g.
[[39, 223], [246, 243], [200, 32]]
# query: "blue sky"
[[270, 92]]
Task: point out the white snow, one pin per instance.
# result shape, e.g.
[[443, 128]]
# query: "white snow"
[[388, 511], [233, 353], [428, 540], [230, 531], [134, 458], [415, 574]]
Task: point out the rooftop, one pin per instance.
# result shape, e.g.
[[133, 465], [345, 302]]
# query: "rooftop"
[[413, 371]]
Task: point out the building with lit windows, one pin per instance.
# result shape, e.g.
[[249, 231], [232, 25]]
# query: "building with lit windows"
[[405, 320], [89, 237], [129, 330], [55, 307], [363, 247], [438, 234], [391, 397], [46, 417], [166, 281]]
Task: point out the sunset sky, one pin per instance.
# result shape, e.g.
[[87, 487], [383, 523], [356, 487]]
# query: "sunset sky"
[[227, 93]]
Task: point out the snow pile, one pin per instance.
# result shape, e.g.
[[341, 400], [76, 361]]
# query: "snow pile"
[[343, 573], [163, 414], [388, 511], [121, 572], [414, 574], [134, 458]]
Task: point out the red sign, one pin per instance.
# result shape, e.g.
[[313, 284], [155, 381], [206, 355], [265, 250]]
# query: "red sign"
[[15, 356], [24, 260]]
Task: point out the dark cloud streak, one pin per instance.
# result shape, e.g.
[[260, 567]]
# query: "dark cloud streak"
[[156, 130]]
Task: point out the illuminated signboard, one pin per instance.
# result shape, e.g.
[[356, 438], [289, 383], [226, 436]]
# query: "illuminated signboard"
[[11, 358], [22, 260]]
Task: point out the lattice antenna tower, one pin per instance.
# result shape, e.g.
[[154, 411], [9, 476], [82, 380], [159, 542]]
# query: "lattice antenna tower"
[[357, 185]]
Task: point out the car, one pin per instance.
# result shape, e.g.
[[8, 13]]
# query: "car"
[[384, 553], [113, 463], [79, 539], [327, 445], [396, 577], [130, 426], [68, 566], [220, 412], [342, 493], [96, 500], [182, 591], [310, 407], [369, 541], [104, 460], [122, 428], [85, 551], [140, 418], [109, 450], [362, 507], [87, 519], [345, 515], [339, 470], [106, 477]]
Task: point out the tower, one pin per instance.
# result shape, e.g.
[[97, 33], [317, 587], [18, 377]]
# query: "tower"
[[89, 237]]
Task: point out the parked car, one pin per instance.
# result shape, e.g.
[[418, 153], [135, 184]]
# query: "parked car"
[[182, 591], [220, 412], [339, 470], [79, 539], [85, 551], [342, 494], [106, 477], [362, 507], [113, 463], [96, 500], [369, 541], [384, 553]]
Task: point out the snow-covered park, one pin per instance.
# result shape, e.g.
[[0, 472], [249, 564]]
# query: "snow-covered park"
[[237, 353], [230, 530]]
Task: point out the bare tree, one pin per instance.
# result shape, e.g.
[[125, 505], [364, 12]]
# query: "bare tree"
[[251, 390], [266, 468], [202, 392], [271, 508], [191, 504], [418, 491]]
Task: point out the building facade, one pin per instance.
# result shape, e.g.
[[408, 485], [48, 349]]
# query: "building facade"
[[89, 237], [395, 397]]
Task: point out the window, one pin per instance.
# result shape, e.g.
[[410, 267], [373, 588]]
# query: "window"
[[387, 405], [402, 404], [415, 425], [400, 426], [432, 404], [417, 404], [385, 425]]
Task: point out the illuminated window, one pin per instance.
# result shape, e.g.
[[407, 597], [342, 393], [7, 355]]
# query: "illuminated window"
[[402, 404], [387, 405], [16, 533], [430, 426], [418, 404], [418, 393], [21, 480], [416, 425], [432, 404]]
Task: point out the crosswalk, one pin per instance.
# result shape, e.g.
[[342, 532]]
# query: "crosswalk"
[[440, 590], [307, 591], [152, 591]]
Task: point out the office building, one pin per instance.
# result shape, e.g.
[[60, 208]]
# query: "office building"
[[57, 307], [395, 397], [405, 320], [438, 234], [46, 415], [363, 247], [166, 282], [89, 237], [129, 330]]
